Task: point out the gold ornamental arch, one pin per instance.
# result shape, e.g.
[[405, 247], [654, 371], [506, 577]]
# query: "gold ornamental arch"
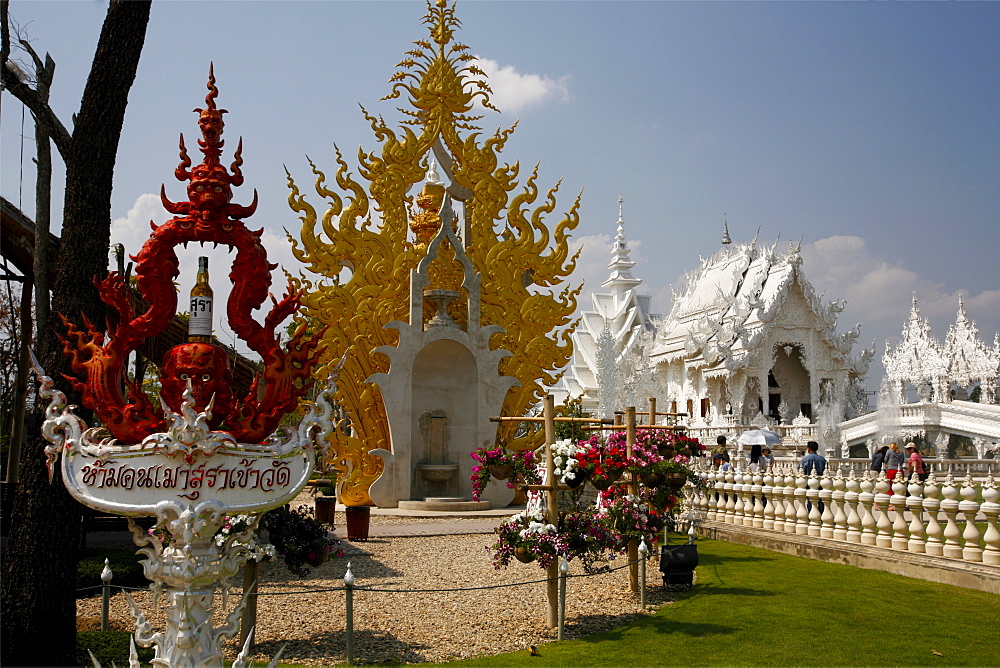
[[523, 265]]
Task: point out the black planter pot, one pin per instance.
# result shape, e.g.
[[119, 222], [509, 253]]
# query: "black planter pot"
[[677, 563]]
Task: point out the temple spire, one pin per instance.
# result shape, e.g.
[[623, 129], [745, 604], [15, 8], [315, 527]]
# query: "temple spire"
[[621, 263], [726, 239]]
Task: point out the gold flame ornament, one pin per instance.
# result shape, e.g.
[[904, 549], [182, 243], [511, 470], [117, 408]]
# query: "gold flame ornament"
[[364, 265]]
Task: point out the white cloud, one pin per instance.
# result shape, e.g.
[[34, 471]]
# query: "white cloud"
[[514, 91], [879, 293]]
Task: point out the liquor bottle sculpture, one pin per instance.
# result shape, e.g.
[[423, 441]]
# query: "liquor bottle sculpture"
[[206, 454]]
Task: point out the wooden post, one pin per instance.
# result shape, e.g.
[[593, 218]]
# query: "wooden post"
[[633, 545], [652, 411], [248, 619], [552, 587]]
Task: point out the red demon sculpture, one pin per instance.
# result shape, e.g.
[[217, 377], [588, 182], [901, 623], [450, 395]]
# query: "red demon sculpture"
[[209, 215]]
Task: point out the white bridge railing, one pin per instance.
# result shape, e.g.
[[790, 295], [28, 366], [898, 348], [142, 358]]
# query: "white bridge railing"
[[938, 517]]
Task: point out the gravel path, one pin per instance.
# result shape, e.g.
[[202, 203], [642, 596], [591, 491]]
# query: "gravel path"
[[413, 627]]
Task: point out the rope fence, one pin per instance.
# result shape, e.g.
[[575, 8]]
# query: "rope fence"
[[349, 588]]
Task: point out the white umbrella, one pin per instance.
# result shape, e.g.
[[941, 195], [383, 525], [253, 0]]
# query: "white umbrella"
[[759, 437]]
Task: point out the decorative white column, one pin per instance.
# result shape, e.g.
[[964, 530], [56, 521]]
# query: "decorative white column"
[[991, 509], [952, 548], [791, 505], [839, 516], [932, 505], [971, 551], [865, 500], [767, 490], [851, 499], [826, 497], [914, 503], [801, 509], [756, 492], [882, 485], [741, 497], [899, 537], [730, 517], [812, 494]]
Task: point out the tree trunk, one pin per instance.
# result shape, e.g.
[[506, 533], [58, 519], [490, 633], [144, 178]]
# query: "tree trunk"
[[39, 567]]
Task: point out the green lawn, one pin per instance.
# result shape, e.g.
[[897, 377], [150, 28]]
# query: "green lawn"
[[756, 607]]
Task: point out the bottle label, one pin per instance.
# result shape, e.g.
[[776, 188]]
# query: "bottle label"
[[200, 323]]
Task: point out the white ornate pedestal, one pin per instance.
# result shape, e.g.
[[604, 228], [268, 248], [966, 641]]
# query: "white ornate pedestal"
[[190, 478]]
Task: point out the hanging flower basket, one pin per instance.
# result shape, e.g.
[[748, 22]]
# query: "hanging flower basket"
[[523, 555], [651, 478], [666, 450], [501, 471], [579, 477], [675, 481], [601, 482]]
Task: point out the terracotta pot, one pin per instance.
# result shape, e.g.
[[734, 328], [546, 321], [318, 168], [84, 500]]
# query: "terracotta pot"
[[326, 509], [358, 520], [501, 471], [523, 555]]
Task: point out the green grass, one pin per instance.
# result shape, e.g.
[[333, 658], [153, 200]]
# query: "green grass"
[[756, 607]]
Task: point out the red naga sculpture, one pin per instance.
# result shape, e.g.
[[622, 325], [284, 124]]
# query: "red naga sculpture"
[[209, 215]]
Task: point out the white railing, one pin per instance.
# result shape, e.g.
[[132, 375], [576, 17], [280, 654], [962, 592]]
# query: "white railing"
[[942, 514]]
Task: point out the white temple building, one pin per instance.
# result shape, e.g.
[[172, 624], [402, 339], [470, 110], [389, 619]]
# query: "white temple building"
[[748, 336], [618, 329]]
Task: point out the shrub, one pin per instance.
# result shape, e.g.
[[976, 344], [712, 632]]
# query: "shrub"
[[108, 647]]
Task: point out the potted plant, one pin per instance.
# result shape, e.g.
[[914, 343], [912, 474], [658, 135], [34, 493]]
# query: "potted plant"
[[566, 465], [300, 540], [603, 460], [326, 501]]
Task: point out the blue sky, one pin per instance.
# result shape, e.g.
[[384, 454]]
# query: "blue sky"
[[869, 130]]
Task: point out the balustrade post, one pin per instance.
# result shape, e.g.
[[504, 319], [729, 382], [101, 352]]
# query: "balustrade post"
[[812, 495], [865, 500], [899, 537], [791, 509], [952, 548], [971, 551], [851, 499], [914, 503], [742, 498], [884, 522], [932, 505], [756, 491], [730, 517], [722, 498], [991, 509], [801, 509], [839, 516], [767, 490], [825, 498], [349, 614]]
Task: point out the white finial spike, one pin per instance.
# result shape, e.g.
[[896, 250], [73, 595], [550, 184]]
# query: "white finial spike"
[[726, 239], [106, 574], [349, 576]]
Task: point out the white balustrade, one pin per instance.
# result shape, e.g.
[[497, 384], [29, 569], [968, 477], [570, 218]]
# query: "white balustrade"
[[801, 506], [791, 508], [770, 498], [839, 531], [812, 497]]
